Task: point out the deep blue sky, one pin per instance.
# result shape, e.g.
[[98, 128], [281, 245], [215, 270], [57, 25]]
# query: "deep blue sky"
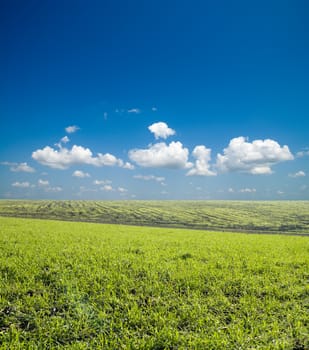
[[212, 71]]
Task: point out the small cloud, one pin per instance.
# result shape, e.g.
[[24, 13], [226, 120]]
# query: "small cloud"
[[24, 167], [298, 174], [107, 188], [231, 190], [247, 190], [80, 174], [43, 183], [19, 167], [54, 189], [154, 109], [122, 190], [102, 182], [161, 129], [302, 153], [303, 187], [65, 139], [280, 193], [105, 115], [128, 166], [21, 184], [71, 129], [149, 178], [134, 110]]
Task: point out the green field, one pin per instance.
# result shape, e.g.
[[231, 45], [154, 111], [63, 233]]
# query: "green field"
[[67, 285], [249, 216]]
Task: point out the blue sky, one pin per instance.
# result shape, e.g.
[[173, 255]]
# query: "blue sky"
[[154, 99]]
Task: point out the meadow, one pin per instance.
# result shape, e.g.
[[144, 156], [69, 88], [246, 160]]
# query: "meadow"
[[290, 217], [75, 285]]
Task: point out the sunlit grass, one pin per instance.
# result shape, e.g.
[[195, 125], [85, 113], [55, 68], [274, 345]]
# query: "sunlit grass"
[[81, 286]]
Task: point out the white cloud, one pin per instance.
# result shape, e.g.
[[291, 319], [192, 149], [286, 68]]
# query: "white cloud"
[[71, 129], [128, 165], [255, 157], [161, 129], [247, 190], [64, 158], [134, 110], [122, 190], [201, 167], [161, 155], [102, 182], [231, 190], [107, 188], [80, 174], [105, 115], [298, 174], [65, 139], [22, 167], [43, 183], [19, 167], [53, 189], [154, 109], [302, 153], [280, 192], [21, 184], [149, 178]]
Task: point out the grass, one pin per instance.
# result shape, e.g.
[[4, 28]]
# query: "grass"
[[291, 217], [66, 285]]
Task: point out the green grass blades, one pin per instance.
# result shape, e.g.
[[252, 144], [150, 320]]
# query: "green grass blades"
[[70, 285], [284, 217]]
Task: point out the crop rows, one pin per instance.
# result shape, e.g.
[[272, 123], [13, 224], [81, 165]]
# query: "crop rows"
[[274, 217]]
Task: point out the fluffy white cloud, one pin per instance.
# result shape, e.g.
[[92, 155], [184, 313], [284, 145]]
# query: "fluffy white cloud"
[[149, 178], [71, 129], [21, 184], [201, 167], [161, 155], [161, 129], [255, 157], [298, 174], [64, 158], [80, 174]]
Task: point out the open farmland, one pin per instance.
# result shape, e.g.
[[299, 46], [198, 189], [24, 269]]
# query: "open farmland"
[[66, 285], [269, 216]]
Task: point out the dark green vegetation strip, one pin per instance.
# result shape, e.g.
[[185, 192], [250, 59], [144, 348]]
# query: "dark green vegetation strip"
[[67, 285], [269, 217]]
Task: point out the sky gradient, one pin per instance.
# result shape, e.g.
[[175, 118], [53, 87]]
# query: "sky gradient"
[[154, 100]]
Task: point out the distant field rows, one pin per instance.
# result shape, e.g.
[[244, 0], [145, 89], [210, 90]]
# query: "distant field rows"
[[267, 216]]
